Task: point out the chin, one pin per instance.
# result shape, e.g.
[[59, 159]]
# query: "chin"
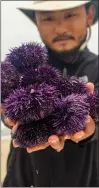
[[63, 48]]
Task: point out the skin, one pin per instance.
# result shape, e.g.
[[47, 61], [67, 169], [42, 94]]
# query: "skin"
[[62, 32]]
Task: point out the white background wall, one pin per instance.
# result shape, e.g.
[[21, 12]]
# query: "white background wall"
[[17, 29]]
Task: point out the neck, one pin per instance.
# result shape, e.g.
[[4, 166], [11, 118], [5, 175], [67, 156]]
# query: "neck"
[[69, 57], [60, 64]]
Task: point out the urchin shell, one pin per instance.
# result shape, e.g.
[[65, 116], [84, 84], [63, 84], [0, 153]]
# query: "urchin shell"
[[73, 85], [93, 100], [42, 74], [71, 115], [31, 103], [31, 134], [9, 79], [27, 55]]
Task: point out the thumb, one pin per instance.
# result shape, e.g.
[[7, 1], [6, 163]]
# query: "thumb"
[[90, 87], [9, 122]]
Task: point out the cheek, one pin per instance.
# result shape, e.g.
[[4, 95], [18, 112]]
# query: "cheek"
[[78, 29], [46, 33]]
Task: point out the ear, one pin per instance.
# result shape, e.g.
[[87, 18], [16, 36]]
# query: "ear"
[[91, 12]]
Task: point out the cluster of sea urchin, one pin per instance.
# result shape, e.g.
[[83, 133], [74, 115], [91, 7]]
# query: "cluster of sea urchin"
[[27, 56], [43, 102], [69, 117]]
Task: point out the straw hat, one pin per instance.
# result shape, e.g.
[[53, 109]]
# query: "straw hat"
[[45, 5]]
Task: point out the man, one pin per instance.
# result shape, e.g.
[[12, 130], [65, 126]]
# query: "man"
[[69, 160]]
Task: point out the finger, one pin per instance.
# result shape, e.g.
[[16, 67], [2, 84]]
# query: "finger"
[[89, 128], [15, 145], [9, 122], [56, 143], [37, 148], [90, 87], [81, 134], [78, 136], [67, 137], [87, 132]]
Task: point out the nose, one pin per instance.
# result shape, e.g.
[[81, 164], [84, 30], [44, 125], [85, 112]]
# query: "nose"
[[60, 28]]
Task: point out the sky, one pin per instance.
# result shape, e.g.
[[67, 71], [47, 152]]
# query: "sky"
[[16, 28]]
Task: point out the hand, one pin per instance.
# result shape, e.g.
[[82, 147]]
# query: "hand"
[[56, 142]]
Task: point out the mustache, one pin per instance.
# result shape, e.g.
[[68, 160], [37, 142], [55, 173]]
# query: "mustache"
[[63, 37]]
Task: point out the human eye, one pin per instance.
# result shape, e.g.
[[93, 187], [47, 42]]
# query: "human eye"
[[47, 19], [70, 16]]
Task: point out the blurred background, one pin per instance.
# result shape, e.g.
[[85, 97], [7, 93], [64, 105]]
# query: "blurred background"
[[16, 29]]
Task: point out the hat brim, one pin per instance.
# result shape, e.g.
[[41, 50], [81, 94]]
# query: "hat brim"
[[29, 11], [53, 5]]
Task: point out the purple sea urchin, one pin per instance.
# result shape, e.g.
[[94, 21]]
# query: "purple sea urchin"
[[93, 100], [49, 75], [27, 56], [31, 134], [70, 116], [29, 77], [73, 85], [9, 79], [32, 103]]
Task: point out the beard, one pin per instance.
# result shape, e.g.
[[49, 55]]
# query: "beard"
[[67, 54]]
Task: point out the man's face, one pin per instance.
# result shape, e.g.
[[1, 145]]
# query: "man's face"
[[64, 30]]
